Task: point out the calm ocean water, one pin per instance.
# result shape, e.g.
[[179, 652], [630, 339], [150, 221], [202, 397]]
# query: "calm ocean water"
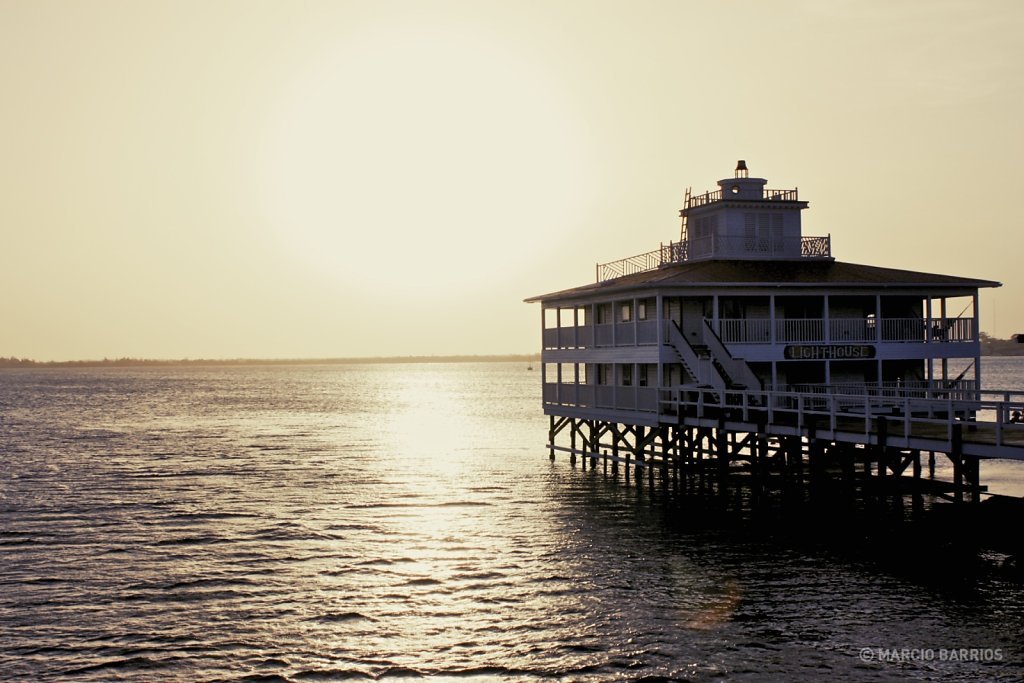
[[319, 523]]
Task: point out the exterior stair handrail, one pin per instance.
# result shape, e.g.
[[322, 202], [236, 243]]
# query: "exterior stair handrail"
[[737, 369], [702, 369]]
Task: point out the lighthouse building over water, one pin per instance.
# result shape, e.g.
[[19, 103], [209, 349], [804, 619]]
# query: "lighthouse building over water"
[[746, 345], [745, 300]]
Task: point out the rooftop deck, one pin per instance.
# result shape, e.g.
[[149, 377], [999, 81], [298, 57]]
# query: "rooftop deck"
[[712, 246]]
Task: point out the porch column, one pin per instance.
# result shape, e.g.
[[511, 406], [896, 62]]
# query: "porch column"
[[543, 367], [929, 323], [878, 318], [635, 316], [660, 337], [929, 326], [878, 337], [558, 324], [942, 314], [615, 324], [977, 344], [826, 332], [576, 326]]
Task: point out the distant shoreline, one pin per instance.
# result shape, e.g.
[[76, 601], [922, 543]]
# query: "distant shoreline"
[[200, 362]]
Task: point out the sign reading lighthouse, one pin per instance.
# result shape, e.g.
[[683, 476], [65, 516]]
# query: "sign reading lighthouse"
[[829, 352]]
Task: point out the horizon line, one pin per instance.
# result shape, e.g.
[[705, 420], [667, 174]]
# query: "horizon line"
[[13, 362]]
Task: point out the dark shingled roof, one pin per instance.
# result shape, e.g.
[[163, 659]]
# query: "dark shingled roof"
[[802, 273]]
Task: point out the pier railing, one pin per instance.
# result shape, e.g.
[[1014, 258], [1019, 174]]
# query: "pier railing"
[[986, 420], [939, 389]]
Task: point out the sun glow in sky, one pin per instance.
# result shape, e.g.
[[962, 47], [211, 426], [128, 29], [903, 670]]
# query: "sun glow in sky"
[[323, 179]]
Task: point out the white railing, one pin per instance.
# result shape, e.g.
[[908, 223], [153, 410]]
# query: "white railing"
[[799, 330], [617, 397], [629, 265], [890, 393], [990, 417], [758, 331], [962, 389], [718, 246], [625, 334], [852, 330], [904, 329], [745, 330], [646, 332], [741, 246], [953, 330], [842, 330]]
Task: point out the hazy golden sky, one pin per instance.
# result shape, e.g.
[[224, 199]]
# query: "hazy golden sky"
[[311, 179]]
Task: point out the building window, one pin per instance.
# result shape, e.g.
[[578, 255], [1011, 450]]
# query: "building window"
[[603, 374], [567, 373], [642, 379], [627, 312], [627, 375], [641, 310], [551, 373]]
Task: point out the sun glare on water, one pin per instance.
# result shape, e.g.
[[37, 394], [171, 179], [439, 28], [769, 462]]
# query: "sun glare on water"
[[420, 154]]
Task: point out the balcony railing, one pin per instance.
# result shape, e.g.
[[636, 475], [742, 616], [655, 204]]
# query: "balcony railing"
[[787, 331], [613, 397], [809, 330], [638, 333], [846, 330]]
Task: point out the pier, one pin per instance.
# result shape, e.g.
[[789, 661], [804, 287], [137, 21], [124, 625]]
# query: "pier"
[[869, 441]]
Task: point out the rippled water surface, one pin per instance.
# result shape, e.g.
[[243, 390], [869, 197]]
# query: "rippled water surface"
[[395, 521]]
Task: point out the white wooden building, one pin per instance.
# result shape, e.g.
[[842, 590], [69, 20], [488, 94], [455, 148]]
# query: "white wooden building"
[[745, 301]]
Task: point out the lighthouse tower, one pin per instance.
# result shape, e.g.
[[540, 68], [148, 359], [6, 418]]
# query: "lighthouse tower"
[[743, 220]]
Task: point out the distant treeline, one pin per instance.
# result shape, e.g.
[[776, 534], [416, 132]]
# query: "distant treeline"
[[13, 362], [990, 346]]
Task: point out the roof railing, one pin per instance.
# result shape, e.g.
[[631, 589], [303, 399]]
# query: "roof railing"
[[716, 196], [705, 248]]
